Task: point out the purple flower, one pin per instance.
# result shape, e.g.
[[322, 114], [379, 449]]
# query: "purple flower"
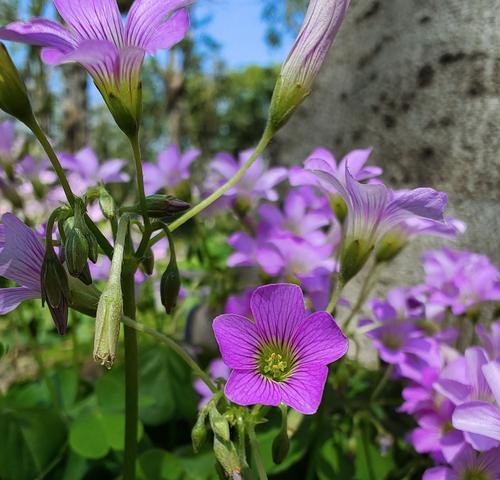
[[283, 355], [171, 168], [460, 280], [490, 339], [85, 171], [239, 304], [36, 170], [322, 21], [97, 39], [257, 183], [375, 210], [218, 370], [472, 384], [21, 258], [6, 139], [468, 466], [323, 159]]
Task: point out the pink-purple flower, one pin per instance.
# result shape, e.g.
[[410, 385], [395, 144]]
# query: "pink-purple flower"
[[218, 370], [171, 168], [282, 355], [112, 52]]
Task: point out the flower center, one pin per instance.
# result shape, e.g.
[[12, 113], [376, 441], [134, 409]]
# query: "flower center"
[[475, 475], [275, 363]]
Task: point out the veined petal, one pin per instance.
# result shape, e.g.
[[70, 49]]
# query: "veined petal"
[[93, 19], [476, 357], [169, 33], [146, 17], [248, 387], [491, 371], [10, 298], [277, 310], [304, 389], [439, 473], [111, 171], [238, 340], [478, 417], [422, 202], [22, 256], [318, 339], [40, 32]]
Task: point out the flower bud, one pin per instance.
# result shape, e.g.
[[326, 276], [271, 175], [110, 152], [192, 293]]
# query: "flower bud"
[[199, 432], [76, 251], [13, 94], [219, 423], [226, 455], [170, 284], [107, 329], [165, 207], [107, 204], [281, 443], [322, 21], [84, 298], [148, 262], [55, 289]]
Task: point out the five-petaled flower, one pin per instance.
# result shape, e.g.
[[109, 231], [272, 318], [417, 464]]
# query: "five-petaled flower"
[[111, 52], [281, 356]]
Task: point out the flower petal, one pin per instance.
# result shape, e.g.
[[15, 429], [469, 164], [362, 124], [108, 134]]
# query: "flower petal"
[[491, 372], [304, 389], [40, 32], [10, 298], [478, 417], [93, 19], [439, 473], [238, 340], [476, 357], [146, 17], [318, 339], [277, 310], [169, 33], [249, 388], [423, 202]]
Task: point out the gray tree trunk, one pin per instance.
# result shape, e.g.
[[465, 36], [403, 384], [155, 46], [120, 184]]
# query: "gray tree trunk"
[[419, 80]]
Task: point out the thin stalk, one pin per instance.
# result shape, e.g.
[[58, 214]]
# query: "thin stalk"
[[383, 381], [264, 141], [136, 147], [197, 370], [261, 470], [131, 379], [339, 286]]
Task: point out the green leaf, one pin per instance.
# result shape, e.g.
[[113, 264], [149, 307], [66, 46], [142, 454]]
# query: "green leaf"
[[166, 385], [331, 462], [110, 390], [88, 436], [160, 465], [32, 441], [115, 430], [370, 463], [66, 385]]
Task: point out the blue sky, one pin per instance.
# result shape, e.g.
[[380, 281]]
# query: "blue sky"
[[237, 25]]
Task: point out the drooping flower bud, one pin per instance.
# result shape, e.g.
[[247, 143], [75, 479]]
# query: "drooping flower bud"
[[107, 204], [76, 251], [170, 284], [165, 207], [13, 94], [110, 307], [281, 443], [55, 288], [322, 21], [199, 432], [219, 423], [148, 262], [226, 455]]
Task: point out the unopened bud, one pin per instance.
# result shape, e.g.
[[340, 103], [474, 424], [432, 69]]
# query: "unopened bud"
[[13, 94], [55, 289], [219, 423], [165, 207], [148, 262], [199, 432], [170, 284], [281, 443], [107, 324], [226, 455], [76, 251], [107, 204]]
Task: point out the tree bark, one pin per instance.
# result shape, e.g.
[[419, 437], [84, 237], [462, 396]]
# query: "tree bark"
[[418, 80]]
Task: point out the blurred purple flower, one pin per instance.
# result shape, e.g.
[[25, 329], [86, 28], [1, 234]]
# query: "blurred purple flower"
[[257, 183], [38, 170], [460, 280], [7, 139], [218, 369], [490, 338], [170, 169], [283, 355], [97, 39], [468, 465], [85, 171], [239, 303], [472, 384], [21, 259], [322, 159]]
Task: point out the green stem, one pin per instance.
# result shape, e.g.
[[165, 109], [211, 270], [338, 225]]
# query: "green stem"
[[136, 147], [366, 288], [264, 141], [335, 296], [131, 379], [56, 165], [383, 381], [261, 470], [197, 370]]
